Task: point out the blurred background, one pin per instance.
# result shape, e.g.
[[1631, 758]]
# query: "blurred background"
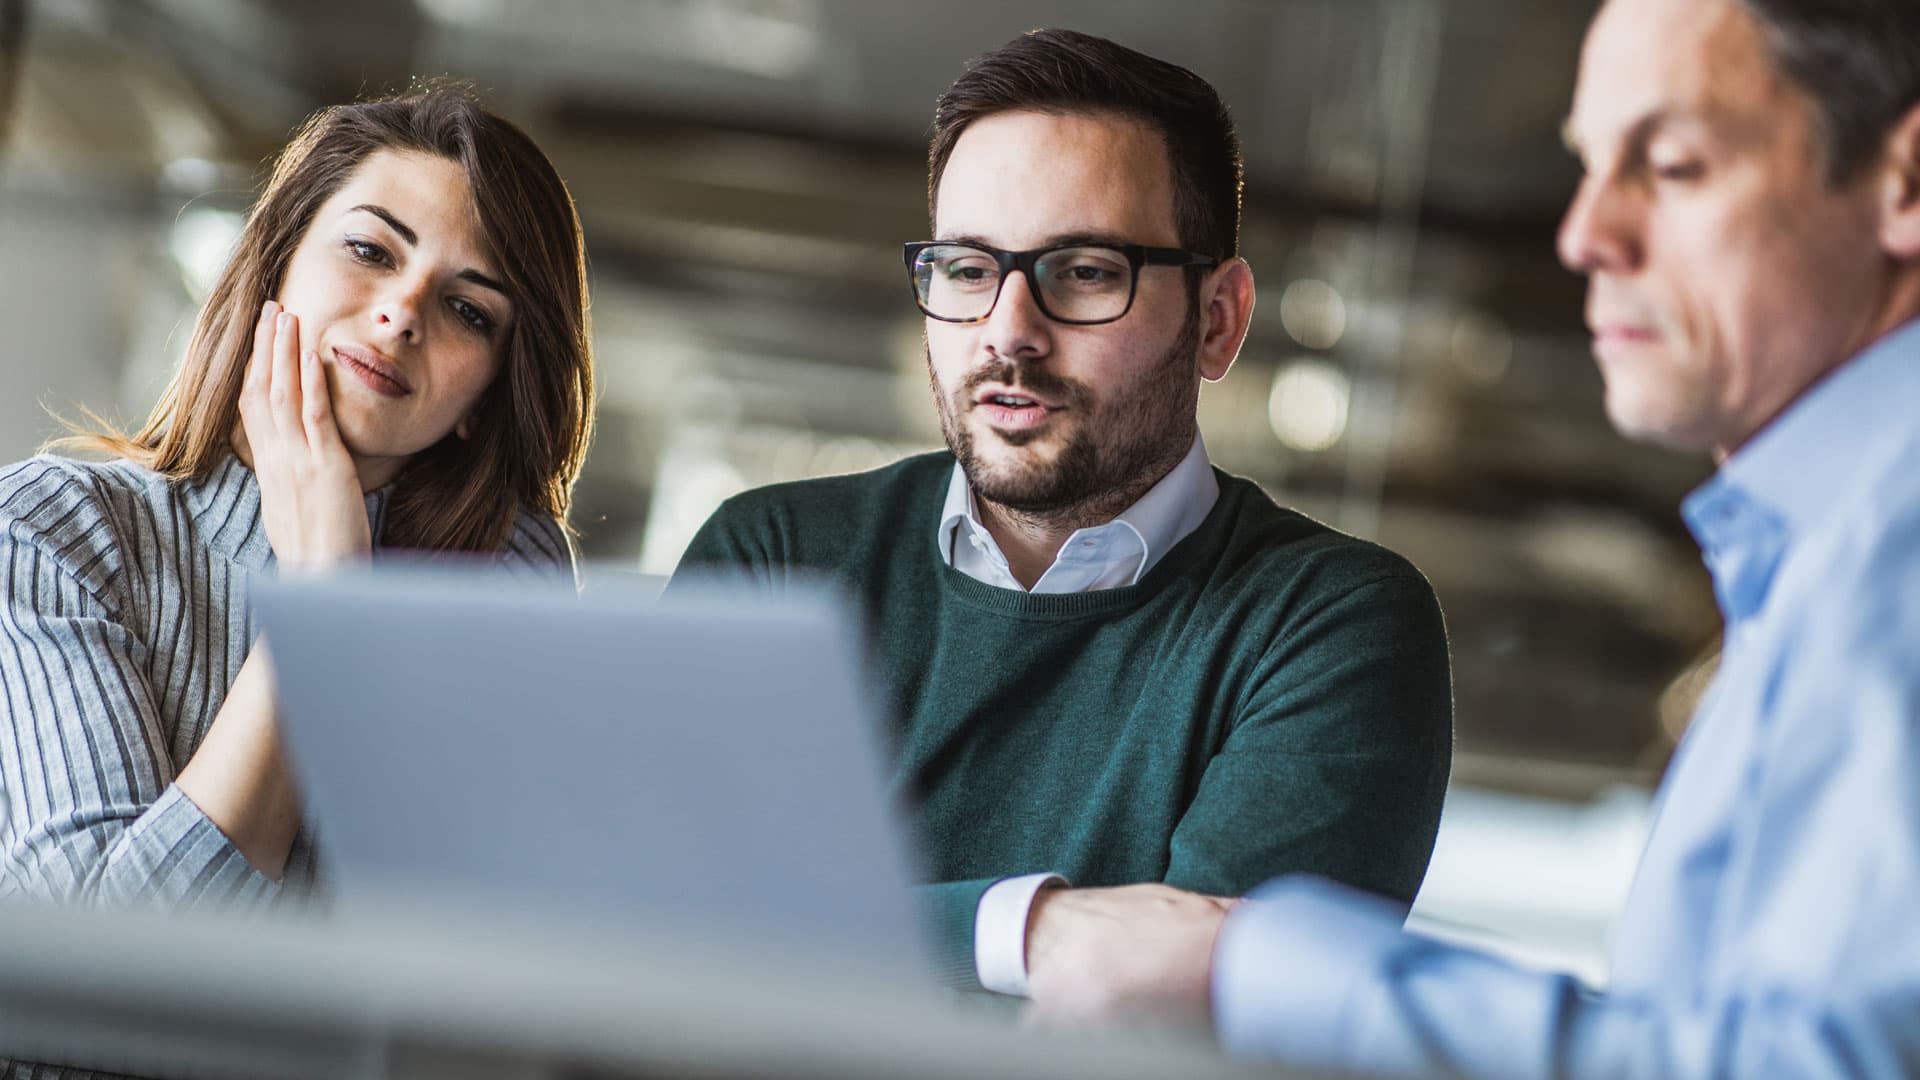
[[746, 171]]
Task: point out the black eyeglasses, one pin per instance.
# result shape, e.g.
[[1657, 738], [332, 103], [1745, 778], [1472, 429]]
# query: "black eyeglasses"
[[1082, 284]]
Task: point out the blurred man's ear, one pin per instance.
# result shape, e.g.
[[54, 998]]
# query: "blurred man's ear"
[[1900, 190]]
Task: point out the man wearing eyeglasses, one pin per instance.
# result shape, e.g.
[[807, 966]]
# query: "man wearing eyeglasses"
[[1107, 663]]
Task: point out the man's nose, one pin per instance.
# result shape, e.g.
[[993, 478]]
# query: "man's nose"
[[1017, 329], [1601, 228]]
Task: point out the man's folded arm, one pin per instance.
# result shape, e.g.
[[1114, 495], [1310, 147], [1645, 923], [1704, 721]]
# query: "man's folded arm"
[[948, 910], [1825, 975], [1321, 976], [1337, 763]]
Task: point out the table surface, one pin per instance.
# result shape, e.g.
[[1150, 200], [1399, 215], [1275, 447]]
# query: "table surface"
[[432, 994]]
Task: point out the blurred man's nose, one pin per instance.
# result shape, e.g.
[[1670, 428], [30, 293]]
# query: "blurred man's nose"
[[1600, 230]]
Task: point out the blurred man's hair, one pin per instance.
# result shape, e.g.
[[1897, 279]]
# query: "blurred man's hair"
[[1062, 71], [1859, 60]]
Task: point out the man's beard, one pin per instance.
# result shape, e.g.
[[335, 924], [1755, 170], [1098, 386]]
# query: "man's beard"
[[1117, 445]]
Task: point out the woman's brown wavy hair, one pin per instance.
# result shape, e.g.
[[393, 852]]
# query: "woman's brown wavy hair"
[[531, 428]]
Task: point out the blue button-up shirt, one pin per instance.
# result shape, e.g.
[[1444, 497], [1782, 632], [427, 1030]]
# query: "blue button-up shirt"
[[1774, 926]]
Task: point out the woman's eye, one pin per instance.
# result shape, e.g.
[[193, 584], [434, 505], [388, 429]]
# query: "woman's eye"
[[366, 251], [470, 314]]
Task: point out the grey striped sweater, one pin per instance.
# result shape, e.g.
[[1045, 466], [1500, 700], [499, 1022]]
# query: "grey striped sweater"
[[123, 623]]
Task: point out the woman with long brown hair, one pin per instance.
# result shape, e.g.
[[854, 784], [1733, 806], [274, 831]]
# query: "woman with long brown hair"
[[396, 356]]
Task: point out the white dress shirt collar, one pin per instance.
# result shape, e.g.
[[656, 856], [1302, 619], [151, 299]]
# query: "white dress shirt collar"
[[1109, 556]]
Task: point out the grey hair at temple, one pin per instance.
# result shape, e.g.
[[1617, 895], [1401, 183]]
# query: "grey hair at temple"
[[1859, 62]]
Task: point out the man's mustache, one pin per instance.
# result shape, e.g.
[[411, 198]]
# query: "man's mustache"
[[1040, 383]]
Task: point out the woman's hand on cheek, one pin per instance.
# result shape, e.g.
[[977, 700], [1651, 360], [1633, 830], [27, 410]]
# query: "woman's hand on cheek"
[[310, 499]]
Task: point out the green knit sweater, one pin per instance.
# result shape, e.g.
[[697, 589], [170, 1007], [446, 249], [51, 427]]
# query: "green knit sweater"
[[1272, 697]]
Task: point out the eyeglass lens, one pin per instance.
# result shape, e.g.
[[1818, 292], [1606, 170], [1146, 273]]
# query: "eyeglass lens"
[[1078, 284]]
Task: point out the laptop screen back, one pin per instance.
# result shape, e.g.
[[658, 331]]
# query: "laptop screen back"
[[707, 764]]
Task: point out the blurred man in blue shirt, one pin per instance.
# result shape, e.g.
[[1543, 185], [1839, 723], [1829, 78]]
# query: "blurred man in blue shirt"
[[1749, 223]]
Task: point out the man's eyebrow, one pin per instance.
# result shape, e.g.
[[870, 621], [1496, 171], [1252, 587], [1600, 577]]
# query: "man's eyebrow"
[[1064, 239], [412, 238], [1638, 135]]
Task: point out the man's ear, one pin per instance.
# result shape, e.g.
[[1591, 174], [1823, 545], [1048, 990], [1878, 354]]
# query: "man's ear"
[[1226, 310], [1900, 189]]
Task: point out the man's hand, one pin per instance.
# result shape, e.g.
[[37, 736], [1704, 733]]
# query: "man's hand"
[[1134, 952]]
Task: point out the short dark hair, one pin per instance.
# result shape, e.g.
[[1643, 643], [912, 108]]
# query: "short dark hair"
[[1859, 60], [1063, 71]]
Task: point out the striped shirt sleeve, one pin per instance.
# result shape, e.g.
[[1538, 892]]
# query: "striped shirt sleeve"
[[92, 813], [540, 550]]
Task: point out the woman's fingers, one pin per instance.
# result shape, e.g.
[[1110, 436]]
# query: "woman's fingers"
[[285, 407], [259, 374], [316, 411], [284, 392], [260, 361], [310, 499]]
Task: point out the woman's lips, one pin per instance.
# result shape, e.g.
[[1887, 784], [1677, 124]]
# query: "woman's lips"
[[374, 372]]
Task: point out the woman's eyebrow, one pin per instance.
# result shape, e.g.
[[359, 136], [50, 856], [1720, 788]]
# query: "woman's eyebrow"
[[412, 238], [484, 281]]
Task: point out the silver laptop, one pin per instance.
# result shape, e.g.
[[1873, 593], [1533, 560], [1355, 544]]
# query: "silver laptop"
[[707, 764]]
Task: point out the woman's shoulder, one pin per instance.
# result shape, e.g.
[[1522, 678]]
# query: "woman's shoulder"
[[539, 542], [72, 517], [60, 494]]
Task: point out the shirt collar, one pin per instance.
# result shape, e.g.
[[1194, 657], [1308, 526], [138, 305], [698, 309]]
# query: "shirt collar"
[[1161, 518], [1803, 463], [1175, 506], [957, 509], [1802, 468]]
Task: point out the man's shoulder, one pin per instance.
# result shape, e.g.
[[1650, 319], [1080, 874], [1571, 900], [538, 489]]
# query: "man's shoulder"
[[831, 523], [839, 504], [1268, 539], [1839, 635], [1867, 569]]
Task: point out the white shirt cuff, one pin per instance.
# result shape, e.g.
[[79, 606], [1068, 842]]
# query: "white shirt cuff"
[[1000, 932]]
